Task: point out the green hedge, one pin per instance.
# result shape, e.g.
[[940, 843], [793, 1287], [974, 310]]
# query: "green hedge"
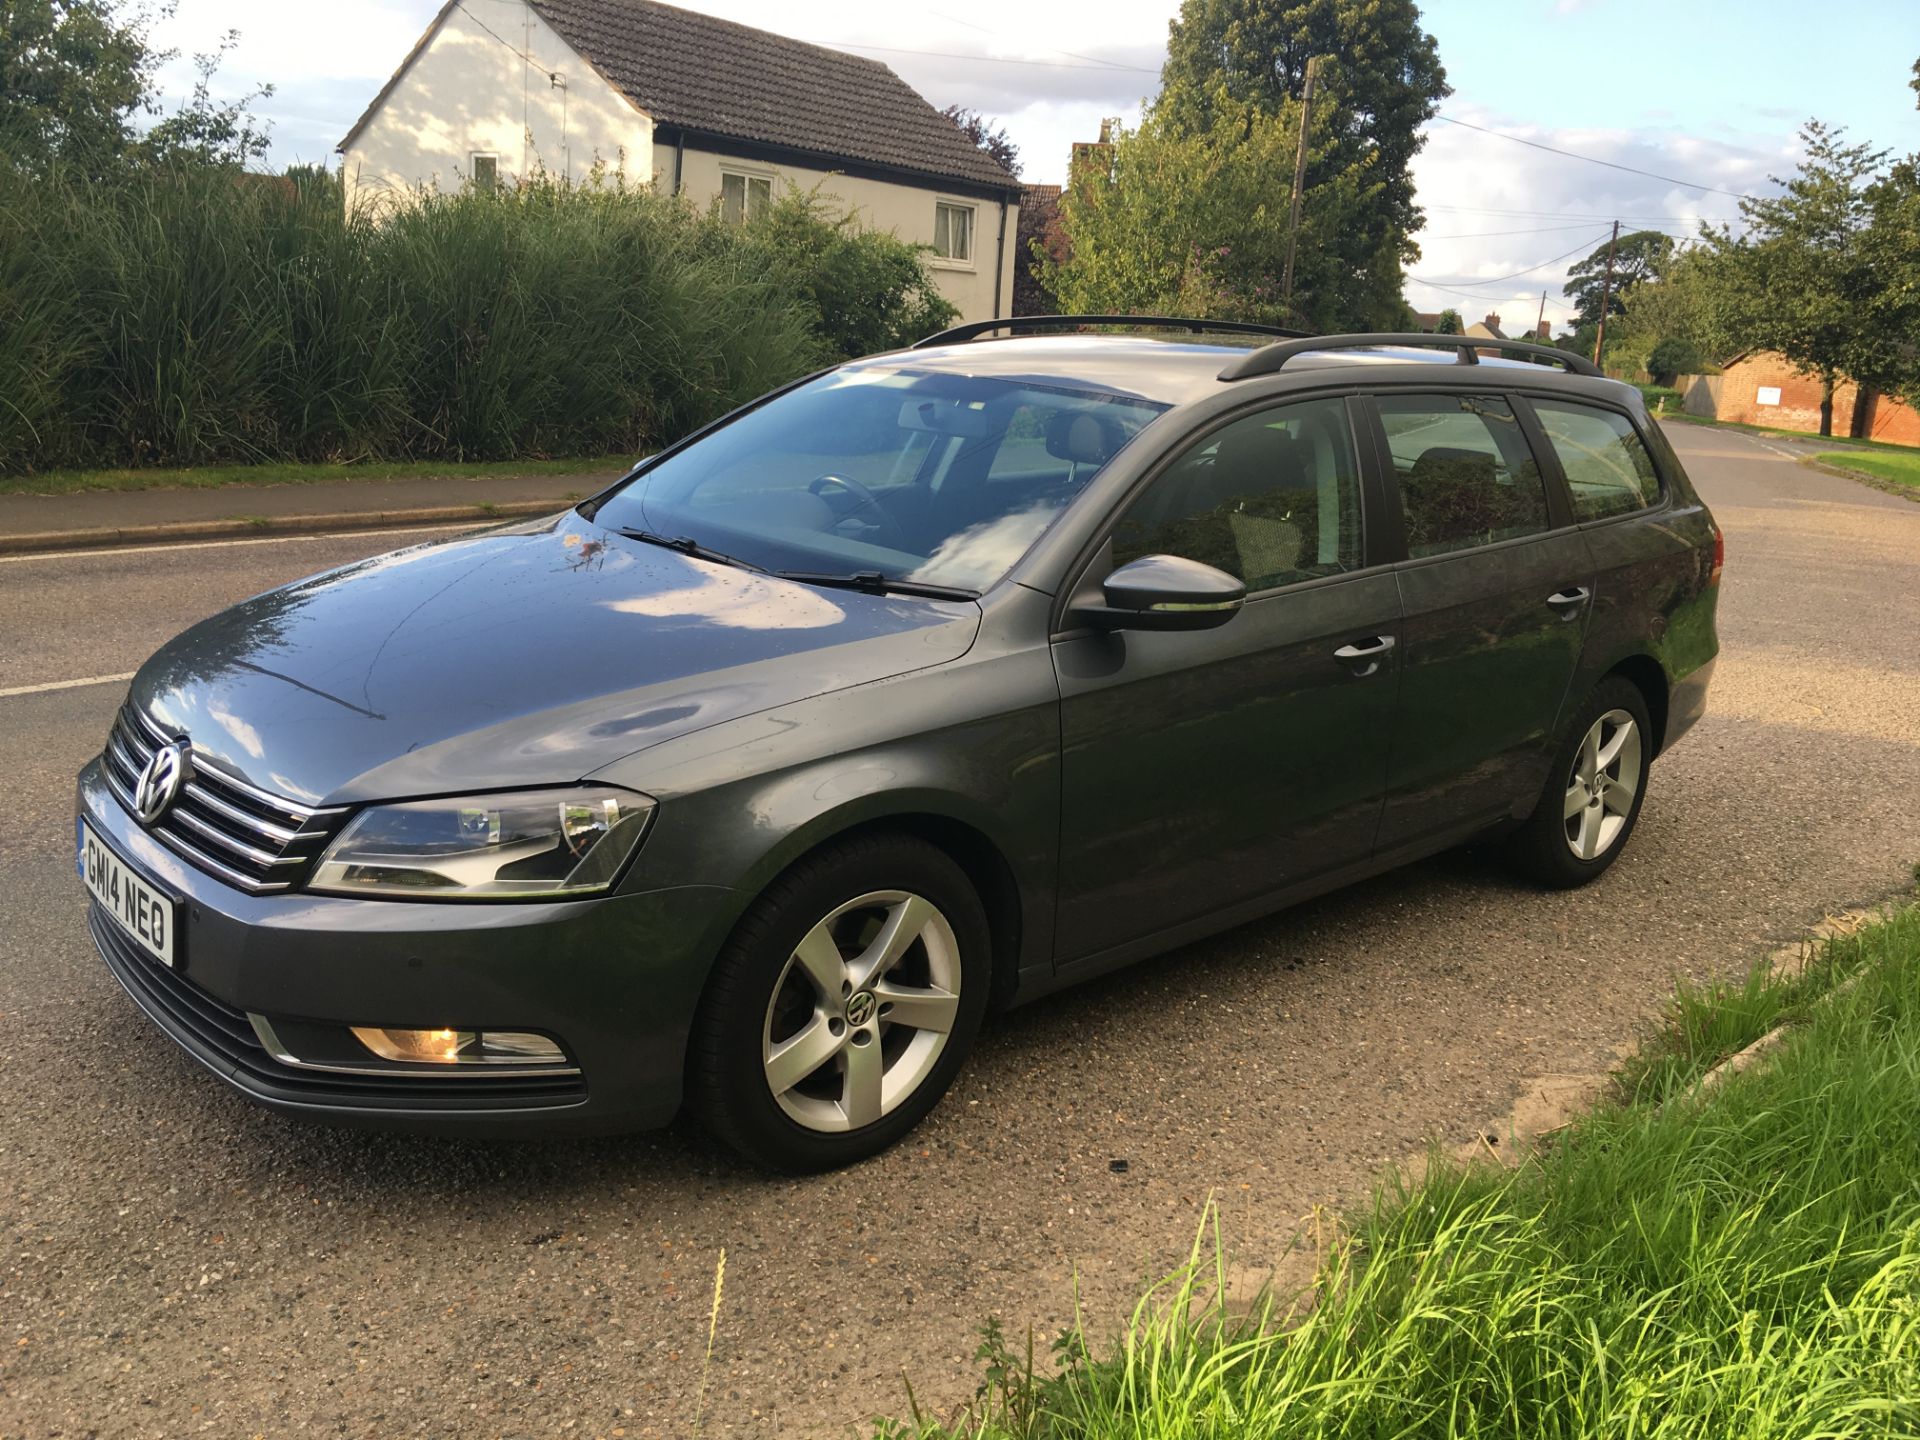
[[197, 316]]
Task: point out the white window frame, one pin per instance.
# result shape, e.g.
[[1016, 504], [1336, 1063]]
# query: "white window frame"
[[473, 172], [747, 178], [956, 262]]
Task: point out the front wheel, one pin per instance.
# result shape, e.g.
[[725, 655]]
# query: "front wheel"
[[843, 1005], [1594, 790]]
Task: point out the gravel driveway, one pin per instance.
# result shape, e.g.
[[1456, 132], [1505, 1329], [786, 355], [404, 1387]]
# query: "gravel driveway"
[[177, 1261]]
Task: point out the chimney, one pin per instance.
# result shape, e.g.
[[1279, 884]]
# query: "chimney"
[[1492, 322]]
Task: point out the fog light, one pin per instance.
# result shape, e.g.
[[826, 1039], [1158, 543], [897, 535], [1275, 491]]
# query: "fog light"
[[460, 1047]]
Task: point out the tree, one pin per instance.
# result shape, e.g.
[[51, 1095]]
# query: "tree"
[[1639, 256], [1380, 80], [1171, 220], [76, 75], [988, 135], [1804, 280], [1449, 323], [70, 76], [1671, 357]]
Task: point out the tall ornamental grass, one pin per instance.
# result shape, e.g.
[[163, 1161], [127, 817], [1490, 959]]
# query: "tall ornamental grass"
[[1741, 1263], [190, 316]]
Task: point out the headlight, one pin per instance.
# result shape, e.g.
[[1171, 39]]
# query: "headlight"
[[535, 845]]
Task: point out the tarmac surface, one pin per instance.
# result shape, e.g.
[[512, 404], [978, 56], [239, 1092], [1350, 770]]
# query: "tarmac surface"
[[178, 1262]]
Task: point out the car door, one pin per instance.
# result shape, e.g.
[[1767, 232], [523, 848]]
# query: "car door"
[[1496, 586], [1207, 768]]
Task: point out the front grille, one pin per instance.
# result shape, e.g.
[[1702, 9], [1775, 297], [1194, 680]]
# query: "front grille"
[[224, 1037], [260, 842]]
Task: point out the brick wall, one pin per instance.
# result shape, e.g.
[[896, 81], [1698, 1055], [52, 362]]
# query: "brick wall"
[[1734, 394]]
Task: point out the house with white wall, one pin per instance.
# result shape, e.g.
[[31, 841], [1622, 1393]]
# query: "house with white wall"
[[718, 112]]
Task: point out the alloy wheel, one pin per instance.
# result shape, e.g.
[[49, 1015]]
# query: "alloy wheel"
[[1607, 771], [862, 1011]]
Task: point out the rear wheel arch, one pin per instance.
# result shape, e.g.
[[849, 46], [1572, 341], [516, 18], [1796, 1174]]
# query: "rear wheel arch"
[[1651, 680]]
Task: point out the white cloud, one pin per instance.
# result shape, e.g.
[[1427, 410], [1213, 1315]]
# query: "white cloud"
[[1495, 208]]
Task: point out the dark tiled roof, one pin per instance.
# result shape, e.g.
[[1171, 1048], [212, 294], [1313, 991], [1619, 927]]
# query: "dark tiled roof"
[[694, 72]]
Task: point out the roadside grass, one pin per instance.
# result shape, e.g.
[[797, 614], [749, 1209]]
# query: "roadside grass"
[[1740, 1261], [70, 482], [1900, 470]]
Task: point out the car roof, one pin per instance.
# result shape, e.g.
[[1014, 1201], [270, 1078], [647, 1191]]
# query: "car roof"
[[1176, 372]]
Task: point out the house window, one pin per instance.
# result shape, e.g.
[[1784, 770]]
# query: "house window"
[[486, 172], [953, 231], [744, 197]]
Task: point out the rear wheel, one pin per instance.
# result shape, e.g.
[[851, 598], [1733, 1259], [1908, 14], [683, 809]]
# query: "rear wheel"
[[1594, 790], [843, 1006]]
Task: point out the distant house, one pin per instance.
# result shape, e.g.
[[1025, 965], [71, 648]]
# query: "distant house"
[[499, 90], [1039, 225], [1760, 387]]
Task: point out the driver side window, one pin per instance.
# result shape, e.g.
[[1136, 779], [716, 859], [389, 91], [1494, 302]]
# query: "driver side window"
[[1272, 498]]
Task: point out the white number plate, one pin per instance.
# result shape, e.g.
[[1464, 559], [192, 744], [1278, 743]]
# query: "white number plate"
[[136, 907]]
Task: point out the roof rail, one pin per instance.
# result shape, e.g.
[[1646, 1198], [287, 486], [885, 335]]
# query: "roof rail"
[[1268, 359], [977, 328]]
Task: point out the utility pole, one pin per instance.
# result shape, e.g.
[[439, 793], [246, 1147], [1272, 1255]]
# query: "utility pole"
[[1606, 295], [1541, 318], [1299, 180]]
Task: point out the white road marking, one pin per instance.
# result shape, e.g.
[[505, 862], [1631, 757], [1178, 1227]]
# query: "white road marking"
[[221, 544], [65, 685]]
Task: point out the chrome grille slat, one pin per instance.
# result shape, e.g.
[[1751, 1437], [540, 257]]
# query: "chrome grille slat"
[[238, 879], [204, 797], [261, 859], [216, 823]]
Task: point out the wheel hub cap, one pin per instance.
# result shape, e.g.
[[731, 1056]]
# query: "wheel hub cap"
[[860, 1016], [1606, 777]]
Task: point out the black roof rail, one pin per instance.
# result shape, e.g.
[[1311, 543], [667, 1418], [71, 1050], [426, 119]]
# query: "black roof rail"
[[977, 328], [1268, 359]]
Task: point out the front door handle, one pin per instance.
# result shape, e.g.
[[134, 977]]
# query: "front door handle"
[[1364, 657], [1569, 600]]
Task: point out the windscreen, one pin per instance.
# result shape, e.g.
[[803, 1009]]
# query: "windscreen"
[[934, 478]]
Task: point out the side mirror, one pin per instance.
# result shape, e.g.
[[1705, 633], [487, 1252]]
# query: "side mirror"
[[1165, 592]]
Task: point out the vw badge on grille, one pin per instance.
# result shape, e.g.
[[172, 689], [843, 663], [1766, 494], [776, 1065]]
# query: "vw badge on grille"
[[159, 784]]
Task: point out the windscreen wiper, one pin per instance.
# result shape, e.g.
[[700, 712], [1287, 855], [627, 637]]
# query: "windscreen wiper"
[[686, 545], [874, 583]]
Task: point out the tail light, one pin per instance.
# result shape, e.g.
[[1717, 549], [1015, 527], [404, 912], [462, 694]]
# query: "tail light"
[[1719, 556]]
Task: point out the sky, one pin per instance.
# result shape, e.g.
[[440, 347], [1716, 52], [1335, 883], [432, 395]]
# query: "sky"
[[1710, 93]]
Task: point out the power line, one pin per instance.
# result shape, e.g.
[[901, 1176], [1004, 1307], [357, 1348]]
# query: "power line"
[[1502, 279], [1423, 236], [1592, 159], [990, 59], [984, 30]]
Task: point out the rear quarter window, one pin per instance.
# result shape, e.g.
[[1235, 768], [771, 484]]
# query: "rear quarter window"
[[1608, 469]]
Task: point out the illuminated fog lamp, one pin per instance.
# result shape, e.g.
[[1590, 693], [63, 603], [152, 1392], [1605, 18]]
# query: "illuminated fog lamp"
[[460, 1047]]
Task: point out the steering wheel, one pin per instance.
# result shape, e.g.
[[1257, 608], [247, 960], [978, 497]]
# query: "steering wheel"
[[895, 537]]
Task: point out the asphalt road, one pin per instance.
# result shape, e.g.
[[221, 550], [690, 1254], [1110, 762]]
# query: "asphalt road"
[[177, 1262]]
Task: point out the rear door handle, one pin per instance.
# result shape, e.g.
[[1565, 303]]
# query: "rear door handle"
[[1570, 599], [1364, 657]]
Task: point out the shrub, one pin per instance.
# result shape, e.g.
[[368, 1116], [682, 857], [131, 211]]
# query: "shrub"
[[192, 315]]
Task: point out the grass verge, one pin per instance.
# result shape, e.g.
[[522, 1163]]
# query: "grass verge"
[[70, 482], [1737, 1262], [1900, 471]]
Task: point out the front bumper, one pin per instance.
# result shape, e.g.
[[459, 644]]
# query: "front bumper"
[[615, 980]]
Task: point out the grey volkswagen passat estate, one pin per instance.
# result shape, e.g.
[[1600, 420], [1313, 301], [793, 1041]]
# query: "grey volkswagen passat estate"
[[923, 686]]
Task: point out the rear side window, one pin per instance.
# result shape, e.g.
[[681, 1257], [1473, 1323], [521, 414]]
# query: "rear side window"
[[1467, 476], [1608, 468], [1271, 499]]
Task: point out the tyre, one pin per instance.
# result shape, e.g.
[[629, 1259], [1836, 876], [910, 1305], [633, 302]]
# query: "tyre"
[[1594, 790], [842, 1006]]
